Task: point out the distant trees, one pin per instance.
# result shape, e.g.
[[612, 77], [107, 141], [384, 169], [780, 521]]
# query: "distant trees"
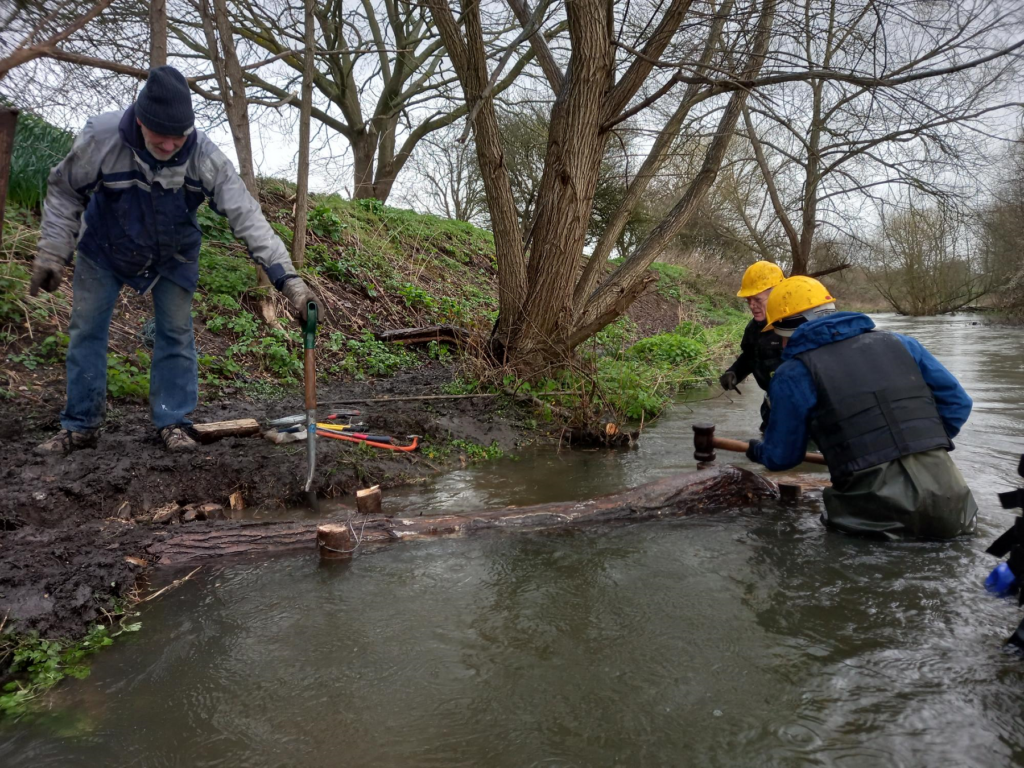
[[839, 137], [928, 260]]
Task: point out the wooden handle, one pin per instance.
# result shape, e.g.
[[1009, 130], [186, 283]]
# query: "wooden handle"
[[740, 446], [309, 366]]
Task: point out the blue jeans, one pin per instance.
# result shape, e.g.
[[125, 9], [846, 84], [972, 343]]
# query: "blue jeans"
[[173, 376]]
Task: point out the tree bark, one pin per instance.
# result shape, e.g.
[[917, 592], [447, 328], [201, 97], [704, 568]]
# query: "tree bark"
[[686, 494], [302, 179], [219, 38], [619, 289], [8, 124], [157, 33]]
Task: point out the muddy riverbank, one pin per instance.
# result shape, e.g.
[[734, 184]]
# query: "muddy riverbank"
[[70, 522]]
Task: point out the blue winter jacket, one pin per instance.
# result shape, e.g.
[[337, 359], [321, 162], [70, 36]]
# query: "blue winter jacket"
[[136, 216], [793, 394]]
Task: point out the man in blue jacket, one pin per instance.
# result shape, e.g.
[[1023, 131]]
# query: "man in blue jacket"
[[125, 199], [882, 410]]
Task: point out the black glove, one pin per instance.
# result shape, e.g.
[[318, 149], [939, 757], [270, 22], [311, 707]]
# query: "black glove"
[[728, 380], [754, 445], [46, 273]]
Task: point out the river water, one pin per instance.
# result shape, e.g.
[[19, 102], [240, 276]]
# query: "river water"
[[748, 638]]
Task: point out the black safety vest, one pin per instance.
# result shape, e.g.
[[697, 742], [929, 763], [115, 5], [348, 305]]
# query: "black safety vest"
[[873, 403]]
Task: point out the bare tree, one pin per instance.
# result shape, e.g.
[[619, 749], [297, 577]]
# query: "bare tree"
[[446, 178], [302, 181], [927, 260], [157, 33], [823, 142], [1003, 230], [228, 71], [539, 271], [381, 80], [36, 29]]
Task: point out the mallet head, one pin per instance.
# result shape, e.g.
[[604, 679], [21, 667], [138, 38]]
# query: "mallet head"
[[703, 442]]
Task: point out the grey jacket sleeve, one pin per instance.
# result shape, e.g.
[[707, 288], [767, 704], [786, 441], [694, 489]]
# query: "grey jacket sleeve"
[[68, 189], [229, 197]]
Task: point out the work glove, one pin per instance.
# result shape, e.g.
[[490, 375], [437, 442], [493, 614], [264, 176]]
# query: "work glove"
[[46, 273], [298, 293], [752, 449], [728, 380]]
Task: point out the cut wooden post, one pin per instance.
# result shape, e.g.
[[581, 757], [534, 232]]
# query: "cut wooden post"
[[368, 501], [790, 491], [334, 540], [215, 430]]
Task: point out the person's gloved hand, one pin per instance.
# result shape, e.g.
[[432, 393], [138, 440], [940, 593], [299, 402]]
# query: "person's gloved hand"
[[46, 273], [751, 451], [299, 295], [1001, 581], [728, 380]]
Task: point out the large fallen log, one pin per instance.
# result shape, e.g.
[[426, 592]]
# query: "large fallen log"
[[691, 493]]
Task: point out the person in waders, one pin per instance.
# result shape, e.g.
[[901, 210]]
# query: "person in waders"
[[881, 409], [760, 353], [125, 199]]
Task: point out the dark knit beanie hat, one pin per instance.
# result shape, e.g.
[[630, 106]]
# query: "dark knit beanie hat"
[[165, 103]]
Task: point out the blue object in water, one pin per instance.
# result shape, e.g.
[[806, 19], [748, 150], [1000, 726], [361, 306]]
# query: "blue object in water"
[[1001, 581]]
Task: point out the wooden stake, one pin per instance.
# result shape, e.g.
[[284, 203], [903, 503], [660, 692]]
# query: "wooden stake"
[[334, 540], [368, 501]]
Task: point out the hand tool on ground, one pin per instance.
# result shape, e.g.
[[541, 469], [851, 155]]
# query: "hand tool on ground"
[[299, 418], [342, 436], [705, 442], [309, 373], [358, 435], [341, 427]]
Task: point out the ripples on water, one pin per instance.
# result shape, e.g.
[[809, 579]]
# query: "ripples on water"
[[749, 638]]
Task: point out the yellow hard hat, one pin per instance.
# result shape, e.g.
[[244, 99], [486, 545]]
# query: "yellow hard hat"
[[797, 296], [760, 276]]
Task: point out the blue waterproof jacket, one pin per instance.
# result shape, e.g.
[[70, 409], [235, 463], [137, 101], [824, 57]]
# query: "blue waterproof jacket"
[[136, 216], [793, 394]]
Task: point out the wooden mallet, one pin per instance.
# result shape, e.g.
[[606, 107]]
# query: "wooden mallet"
[[705, 442]]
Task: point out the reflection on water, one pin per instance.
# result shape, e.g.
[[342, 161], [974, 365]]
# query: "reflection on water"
[[751, 638]]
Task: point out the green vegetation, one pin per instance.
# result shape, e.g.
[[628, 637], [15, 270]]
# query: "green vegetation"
[[473, 452], [38, 147], [128, 377], [366, 356], [37, 664], [374, 267]]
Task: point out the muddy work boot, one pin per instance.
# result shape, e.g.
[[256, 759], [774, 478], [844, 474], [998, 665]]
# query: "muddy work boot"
[[177, 440], [65, 441]]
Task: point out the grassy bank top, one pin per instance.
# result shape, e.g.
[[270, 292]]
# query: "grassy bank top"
[[374, 268]]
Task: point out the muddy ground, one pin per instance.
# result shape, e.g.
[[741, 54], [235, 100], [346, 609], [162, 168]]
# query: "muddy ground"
[[69, 522]]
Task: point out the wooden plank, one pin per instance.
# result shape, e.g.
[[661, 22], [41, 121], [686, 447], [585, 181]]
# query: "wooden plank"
[[215, 430]]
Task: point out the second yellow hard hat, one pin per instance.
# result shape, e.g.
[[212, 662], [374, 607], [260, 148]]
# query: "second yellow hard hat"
[[760, 276]]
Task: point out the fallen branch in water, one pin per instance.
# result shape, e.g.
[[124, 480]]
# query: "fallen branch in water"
[[172, 585]]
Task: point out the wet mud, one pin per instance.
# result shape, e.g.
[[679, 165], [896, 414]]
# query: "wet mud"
[[69, 522]]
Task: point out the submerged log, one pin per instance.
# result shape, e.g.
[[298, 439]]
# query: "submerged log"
[[691, 493]]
